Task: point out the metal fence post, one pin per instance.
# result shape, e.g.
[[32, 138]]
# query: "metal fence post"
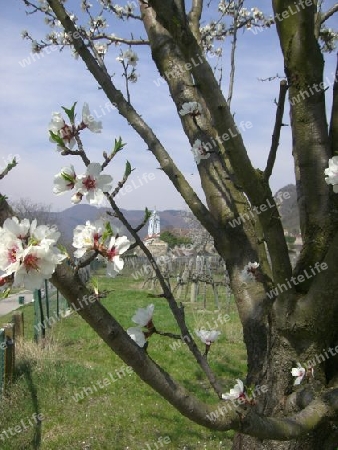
[[57, 303], [2, 359], [47, 300], [39, 325]]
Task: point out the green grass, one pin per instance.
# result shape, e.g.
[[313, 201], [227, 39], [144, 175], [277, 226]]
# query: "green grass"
[[124, 413]]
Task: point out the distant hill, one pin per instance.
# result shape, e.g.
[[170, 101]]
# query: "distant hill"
[[288, 209], [68, 219], [78, 214]]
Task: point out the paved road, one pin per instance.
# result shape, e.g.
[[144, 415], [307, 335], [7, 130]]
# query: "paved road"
[[12, 302]]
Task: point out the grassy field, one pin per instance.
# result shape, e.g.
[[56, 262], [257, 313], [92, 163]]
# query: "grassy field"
[[90, 401]]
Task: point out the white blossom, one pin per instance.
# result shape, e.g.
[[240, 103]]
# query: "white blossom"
[[88, 120], [208, 337], [299, 373], [76, 198], [18, 228], [236, 392], [143, 316], [37, 264], [137, 335], [58, 126], [92, 184], [116, 247], [28, 251], [199, 152], [331, 173], [101, 49], [86, 237], [248, 273], [11, 249], [130, 56], [192, 108], [118, 10], [65, 180]]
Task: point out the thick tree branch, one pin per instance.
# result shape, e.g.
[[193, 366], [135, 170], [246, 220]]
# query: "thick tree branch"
[[283, 87], [309, 129], [194, 17], [310, 313], [5, 210], [249, 178]]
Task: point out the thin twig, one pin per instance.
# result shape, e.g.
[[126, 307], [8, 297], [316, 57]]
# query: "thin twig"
[[328, 13], [171, 335], [9, 167], [233, 52], [277, 129], [119, 40], [81, 151]]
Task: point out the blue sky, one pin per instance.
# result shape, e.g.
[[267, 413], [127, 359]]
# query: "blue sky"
[[33, 89]]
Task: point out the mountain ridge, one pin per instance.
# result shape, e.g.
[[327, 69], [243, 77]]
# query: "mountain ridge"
[[75, 215]]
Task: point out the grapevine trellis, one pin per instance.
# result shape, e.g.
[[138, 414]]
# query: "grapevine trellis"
[[194, 275]]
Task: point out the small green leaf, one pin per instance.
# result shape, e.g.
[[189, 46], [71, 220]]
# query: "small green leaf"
[[108, 232], [12, 164], [128, 169], [56, 138], [62, 249], [94, 282], [118, 145], [70, 112], [67, 177]]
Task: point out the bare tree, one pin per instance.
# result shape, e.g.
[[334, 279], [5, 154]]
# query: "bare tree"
[[26, 208]]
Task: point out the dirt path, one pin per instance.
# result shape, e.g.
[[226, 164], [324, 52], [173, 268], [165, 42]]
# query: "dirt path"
[[12, 302]]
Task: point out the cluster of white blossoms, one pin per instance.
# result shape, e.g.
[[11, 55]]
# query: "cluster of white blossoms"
[[144, 319], [92, 184], [98, 236], [328, 37], [249, 272], [64, 134], [217, 30], [97, 24], [28, 254], [120, 11], [331, 173]]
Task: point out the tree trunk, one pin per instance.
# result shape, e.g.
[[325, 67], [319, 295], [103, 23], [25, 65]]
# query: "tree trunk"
[[276, 374]]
